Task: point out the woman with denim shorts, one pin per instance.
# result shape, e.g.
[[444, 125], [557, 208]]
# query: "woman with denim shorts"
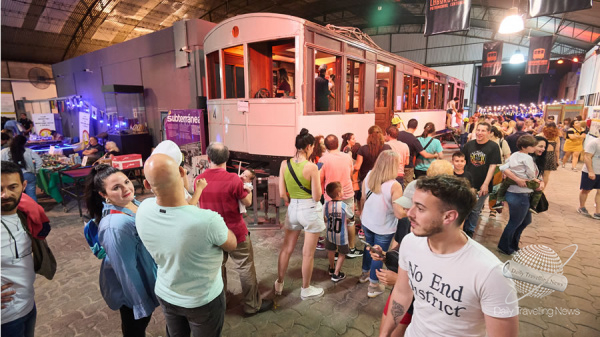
[[300, 187], [380, 215]]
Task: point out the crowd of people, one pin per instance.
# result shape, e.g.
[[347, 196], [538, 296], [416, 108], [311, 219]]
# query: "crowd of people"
[[414, 211]]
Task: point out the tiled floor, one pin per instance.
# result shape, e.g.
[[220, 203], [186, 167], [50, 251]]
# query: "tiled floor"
[[71, 304]]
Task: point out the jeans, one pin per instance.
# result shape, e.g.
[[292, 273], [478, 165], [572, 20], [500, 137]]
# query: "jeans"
[[30, 189], [205, 321], [130, 326], [562, 144], [21, 327], [383, 240], [473, 217], [520, 217], [243, 258]]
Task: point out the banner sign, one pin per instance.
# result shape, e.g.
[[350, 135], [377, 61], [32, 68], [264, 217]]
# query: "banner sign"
[[44, 124], [444, 16], [492, 59], [84, 127], [538, 61], [546, 7]]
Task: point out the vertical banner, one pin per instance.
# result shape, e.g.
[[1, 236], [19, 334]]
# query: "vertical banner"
[[444, 16], [538, 60], [546, 7], [187, 129], [492, 59], [84, 127], [44, 124]]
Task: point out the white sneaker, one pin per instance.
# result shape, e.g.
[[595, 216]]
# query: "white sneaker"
[[278, 287], [311, 292], [375, 290], [364, 277]]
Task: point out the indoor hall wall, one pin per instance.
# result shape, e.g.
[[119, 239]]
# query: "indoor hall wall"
[[589, 81], [148, 61]]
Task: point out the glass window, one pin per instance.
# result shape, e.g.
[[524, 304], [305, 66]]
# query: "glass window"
[[233, 58], [440, 97], [382, 85], [214, 75], [450, 92], [423, 94], [415, 93], [354, 85], [434, 100], [327, 82], [407, 86], [272, 67], [430, 98]]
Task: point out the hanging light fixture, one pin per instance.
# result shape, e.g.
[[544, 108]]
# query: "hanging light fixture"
[[517, 58], [512, 23]]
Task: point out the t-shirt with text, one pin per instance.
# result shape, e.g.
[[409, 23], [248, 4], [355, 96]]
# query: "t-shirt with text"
[[452, 292], [337, 215], [479, 158]]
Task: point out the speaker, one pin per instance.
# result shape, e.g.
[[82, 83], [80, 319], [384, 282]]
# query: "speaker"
[[201, 102]]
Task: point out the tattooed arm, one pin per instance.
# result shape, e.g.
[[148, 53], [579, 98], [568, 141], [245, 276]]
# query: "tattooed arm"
[[400, 300]]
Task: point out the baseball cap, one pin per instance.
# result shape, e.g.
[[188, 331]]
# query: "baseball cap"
[[406, 199], [396, 120], [169, 148]]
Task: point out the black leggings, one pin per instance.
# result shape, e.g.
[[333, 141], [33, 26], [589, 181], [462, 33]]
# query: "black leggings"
[[133, 327]]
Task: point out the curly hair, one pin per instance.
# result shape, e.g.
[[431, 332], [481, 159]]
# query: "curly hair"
[[375, 141], [550, 131]]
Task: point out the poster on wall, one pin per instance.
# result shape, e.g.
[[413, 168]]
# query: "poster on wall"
[[492, 59], [44, 124], [444, 16], [84, 127], [538, 61], [186, 129], [8, 104], [545, 7]]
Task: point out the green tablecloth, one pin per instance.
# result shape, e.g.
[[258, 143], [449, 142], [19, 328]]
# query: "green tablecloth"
[[48, 182]]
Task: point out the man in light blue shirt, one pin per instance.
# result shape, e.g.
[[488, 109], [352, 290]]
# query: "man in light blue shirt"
[[187, 244]]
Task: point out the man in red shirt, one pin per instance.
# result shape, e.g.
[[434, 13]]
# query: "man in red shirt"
[[222, 193]]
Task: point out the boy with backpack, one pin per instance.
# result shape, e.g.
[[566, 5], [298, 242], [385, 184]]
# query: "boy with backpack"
[[337, 216]]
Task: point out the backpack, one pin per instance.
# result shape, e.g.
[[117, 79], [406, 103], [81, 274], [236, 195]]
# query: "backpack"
[[90, 230]]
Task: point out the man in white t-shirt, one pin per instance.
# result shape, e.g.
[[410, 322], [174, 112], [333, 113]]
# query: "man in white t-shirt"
[[457, 284], [18, 275], [590, 177]]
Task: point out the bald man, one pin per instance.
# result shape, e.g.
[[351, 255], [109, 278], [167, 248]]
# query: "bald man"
[[187, 244]]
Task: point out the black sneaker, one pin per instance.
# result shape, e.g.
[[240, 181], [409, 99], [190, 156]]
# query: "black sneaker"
[[498, 205], [338, 277], [331, 271], [264, 306], [336, 256], [354, 253]]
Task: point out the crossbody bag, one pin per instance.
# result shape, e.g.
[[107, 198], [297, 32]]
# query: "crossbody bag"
[[302, 187]]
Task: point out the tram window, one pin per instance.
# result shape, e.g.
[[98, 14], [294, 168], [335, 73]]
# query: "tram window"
[[382, 85], [407, 86], [434, 95], [415, 93], [233, 58], [430, 99], [271, 65], [214, 78], [423, 94], [439, 103], [327, 80], [461, 95], [354, 85], [450, 91]]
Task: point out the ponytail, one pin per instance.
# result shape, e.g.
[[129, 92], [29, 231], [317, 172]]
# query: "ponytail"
[[428, 129], [94, 185]]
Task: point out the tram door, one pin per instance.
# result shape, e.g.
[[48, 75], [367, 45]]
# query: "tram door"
[[384, 91]]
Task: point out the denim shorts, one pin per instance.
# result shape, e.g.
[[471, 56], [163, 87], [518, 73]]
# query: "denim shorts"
[[305, 214]]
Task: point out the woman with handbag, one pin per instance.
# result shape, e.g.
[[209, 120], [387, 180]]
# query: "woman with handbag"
[[380, 214], [128, 272], [300, 187]]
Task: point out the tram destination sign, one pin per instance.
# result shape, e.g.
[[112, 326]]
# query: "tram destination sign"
[[444, 16]]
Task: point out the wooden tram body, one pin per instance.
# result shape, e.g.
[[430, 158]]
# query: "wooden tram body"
[[243, 56]]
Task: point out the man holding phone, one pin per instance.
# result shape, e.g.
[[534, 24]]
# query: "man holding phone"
[[476, 301]]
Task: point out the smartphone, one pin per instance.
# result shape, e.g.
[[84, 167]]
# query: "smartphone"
[[377, 250]]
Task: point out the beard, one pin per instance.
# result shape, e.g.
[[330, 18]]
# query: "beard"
[[434, 228], [11, 204]]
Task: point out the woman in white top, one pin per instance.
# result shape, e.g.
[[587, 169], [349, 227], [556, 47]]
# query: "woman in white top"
[[29, 162], [380, 214]]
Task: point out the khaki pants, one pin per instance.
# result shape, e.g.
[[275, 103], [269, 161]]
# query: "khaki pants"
[[243, 258]]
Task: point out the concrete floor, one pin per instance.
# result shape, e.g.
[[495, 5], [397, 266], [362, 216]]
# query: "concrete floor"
[[71, 304]]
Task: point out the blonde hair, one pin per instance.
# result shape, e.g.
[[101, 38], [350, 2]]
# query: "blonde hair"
[[439, 167], [512, 124], [112, 146], [385, 169]]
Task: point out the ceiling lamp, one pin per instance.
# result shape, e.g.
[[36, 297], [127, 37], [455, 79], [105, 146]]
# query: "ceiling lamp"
[[517, 58], [575, 59], [560, 61], [512, 23]]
